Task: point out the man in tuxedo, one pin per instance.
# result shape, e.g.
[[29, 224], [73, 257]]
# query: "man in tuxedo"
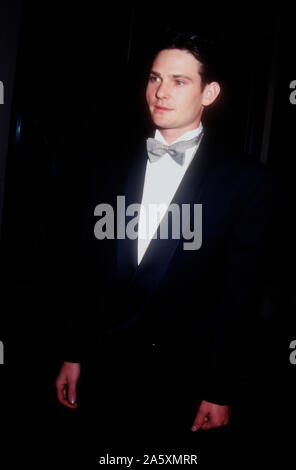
[[166, 327]]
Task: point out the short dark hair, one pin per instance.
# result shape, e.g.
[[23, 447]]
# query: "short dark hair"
[[202, 48]]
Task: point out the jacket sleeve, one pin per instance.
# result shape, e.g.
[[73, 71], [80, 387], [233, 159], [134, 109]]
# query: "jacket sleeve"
[[77, 323], [248, 264], [76, 338]]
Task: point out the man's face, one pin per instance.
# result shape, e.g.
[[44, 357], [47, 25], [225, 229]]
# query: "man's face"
[[173, 92]]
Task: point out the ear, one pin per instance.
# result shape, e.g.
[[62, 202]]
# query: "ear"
[[210, 93]]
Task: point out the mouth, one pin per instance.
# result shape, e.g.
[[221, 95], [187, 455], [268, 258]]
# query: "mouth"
[[162, 108]]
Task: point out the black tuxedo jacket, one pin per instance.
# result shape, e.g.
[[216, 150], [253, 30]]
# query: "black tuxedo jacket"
[[198, 307]]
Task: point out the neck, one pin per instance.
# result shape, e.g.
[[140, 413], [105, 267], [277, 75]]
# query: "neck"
[[170, 135]]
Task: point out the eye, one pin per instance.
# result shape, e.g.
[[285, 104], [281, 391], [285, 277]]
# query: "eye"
[[179, 82], [153, 78]]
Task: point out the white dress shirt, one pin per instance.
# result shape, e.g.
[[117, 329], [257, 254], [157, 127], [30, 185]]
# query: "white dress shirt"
[[162, 179]]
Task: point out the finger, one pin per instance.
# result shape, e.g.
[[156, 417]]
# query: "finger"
[[62, 399], [199, 420], [72, 392], [206, 425], [212, 424]]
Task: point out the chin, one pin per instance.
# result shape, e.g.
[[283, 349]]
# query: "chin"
[[160, 122]]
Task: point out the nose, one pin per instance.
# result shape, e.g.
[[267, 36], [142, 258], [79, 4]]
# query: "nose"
[[162, 91]]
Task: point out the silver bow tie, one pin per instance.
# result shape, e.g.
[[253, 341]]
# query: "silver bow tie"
[[177, 151]]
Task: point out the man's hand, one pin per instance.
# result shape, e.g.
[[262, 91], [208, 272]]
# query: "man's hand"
[[66, 384], [211, 415]]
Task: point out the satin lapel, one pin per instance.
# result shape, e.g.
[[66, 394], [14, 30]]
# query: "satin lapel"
[[127, 249]]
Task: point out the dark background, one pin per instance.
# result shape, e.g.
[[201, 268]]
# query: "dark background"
[[79, 78]]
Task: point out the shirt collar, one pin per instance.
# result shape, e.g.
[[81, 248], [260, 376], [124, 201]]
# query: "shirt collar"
[[186, 136]]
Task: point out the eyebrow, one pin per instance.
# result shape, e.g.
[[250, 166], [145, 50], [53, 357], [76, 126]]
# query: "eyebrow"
[[174, 75]]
